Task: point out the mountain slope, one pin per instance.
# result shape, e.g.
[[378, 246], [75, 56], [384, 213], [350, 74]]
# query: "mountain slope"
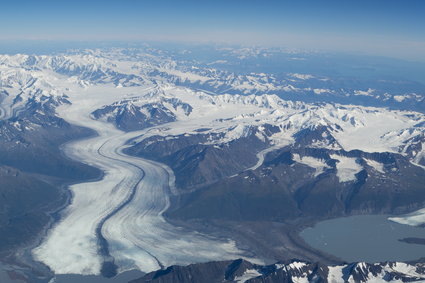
[[293, 271]]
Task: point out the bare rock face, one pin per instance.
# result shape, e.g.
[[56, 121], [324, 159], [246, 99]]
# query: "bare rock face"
[[195, 162], [284, 189]]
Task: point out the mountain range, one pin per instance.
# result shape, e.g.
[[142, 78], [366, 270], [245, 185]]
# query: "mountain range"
[[143, 158]]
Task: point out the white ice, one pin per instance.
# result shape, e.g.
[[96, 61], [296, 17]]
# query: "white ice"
[[248, 274], [415, 218], [379, 167], [346, 167], [312, 162], [138, 235]]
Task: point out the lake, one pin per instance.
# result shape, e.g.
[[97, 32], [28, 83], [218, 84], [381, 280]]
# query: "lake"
[[370, 238]]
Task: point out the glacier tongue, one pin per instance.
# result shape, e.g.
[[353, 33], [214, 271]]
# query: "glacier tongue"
[[347, 168], [125, 206]]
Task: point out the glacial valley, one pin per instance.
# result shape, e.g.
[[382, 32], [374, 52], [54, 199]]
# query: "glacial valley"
[[151, 160]]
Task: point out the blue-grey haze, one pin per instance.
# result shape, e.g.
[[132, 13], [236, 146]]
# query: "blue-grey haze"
[[380, 27]]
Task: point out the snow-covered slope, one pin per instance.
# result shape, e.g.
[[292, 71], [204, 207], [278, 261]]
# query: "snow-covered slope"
[[347, 127], [294, 271]]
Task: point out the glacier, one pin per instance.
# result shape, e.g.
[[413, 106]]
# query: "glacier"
[[128, 203]]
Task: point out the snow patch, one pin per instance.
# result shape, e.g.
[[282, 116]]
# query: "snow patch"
[[248, 274], [321, 90], [347, 168], [368, 92], [335, 274], [413, 219], [318, 164], [185, 75], [399, 98], [379, 167], [301, 76]]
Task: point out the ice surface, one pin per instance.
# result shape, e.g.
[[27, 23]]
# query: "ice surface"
[[335, 274], [248, 274], [347, 168], [302, 76], [137, 234], [312, 162], [379, 167], [414, 219]]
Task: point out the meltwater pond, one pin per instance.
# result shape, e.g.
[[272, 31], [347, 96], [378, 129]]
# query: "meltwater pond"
[[370, 238]]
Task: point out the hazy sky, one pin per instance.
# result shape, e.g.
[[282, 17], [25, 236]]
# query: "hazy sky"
[[383, 27]]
